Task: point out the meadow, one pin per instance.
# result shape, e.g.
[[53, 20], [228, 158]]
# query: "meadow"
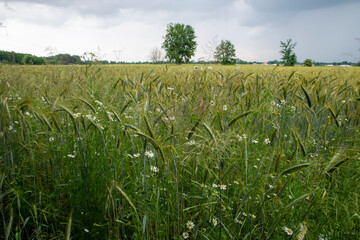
[[179, 152]]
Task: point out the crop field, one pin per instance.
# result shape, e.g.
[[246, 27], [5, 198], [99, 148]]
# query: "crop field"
[[179, 152]]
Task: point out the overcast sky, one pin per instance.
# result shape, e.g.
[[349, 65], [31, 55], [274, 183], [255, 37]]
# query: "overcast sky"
[[127, 30]]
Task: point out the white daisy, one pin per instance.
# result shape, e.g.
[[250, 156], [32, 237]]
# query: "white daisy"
[[149, 154], [190, 225], [288, 231]]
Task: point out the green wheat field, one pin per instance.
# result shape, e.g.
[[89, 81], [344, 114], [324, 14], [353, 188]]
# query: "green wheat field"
[[179, 152]]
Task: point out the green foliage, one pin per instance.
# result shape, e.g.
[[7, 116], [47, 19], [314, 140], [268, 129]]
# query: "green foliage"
[[179, 43], [32, 60], [288, 56], [64, 59], [308, 62], [225, 53], [20, 58]]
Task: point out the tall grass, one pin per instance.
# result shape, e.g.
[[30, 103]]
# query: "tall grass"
[[240, 152]]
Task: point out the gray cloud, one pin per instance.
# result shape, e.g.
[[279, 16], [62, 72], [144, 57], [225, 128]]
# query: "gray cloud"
[[324, 29], [111, 7], [277, 6]]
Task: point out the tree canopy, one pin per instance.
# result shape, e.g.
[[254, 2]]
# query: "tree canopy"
[[225, 52], [179, 43], [288, 56]]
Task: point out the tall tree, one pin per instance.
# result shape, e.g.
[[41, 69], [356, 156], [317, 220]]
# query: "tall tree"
[[179, 43], [288, 56], [225, 52]]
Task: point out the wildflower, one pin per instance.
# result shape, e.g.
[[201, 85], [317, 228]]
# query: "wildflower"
[[240, 222], [185, 235], [214, 221], [322, 237], [51, 139], [240, 138], [76, 115], [253, 216], [288, 231], [11, 128], [225, 107], [343, 101], [190, 225], [236, 182], [223, 187], [149, 154], [196, 67], [71, 155], [98, 102], [170, 88], [86, 230], [255, 141], [283, 102], [88, 116], [271, 186], [202, 68], [267, 141], [244, 214], [27, 113], [158, 110], [210, 67], [244, 136], [255, 166], [290, 197], [172, 118], [192, 142], [154, 169], [214, 185], [136, 155], [100, 126], [212, 103]]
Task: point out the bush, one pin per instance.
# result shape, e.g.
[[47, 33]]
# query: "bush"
[[308, 62]]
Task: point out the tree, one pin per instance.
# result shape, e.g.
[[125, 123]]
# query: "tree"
[[308, 62], [288, 56], [156, 55], [225, 52], [179, 43]]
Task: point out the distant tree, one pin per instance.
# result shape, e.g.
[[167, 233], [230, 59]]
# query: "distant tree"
[[308, 62], [179, 43], [225, 52], [32, 60], [28, 60], [156, 55], [288, 56]]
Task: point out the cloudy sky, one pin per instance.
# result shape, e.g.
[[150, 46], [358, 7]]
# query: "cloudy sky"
[[127, 30]]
